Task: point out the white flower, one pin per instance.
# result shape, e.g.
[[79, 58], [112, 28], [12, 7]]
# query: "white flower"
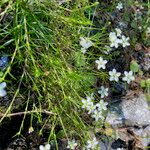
[[103, 92], [91, 97], [112, 35], [119, 6], [72, 144], [114, 41], [114, 75], [118, 31], [128, 76], [2, 89], [90, 107], [46, 147], [91, 144], [101, 63], [88, 103], [85, 43], [124, 41], [97, 115], [101, 105]]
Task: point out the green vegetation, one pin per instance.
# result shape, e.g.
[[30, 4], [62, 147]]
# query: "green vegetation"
[[47, 75]]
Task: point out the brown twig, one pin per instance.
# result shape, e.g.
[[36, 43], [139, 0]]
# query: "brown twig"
[[27, 112]]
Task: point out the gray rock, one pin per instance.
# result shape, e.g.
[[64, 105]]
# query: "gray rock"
[[127, 114], [103, 146], [115, 116], [136, 110]]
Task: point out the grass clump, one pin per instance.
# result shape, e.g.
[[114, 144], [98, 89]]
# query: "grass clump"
[[47, 71], [50, 72]]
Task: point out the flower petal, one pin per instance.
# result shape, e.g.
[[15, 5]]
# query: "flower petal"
[[2, 85], [3, 93], [47, 147], [41, 147]]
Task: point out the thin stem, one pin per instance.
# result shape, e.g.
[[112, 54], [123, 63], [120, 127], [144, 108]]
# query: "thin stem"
[[27, 112]]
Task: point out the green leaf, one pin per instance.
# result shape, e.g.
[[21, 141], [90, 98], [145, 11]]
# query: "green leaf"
[[134, 66], [60, 134], [134, 25], [143, 84], [148, 82]]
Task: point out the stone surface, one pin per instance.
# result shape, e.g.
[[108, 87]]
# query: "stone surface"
[[115, 115], [130, 112], [103, 145], [136, 110]]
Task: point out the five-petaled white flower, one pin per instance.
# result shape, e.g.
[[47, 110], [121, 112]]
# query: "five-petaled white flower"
[[101, 105], [2, 89], [85, 43], [114, 40], [88, 103], [119, 6], [98, 110], [124, 41], [90, 107], [103, 91], [101, 63], [114, 75], [97, 115], [91, 144], [46, 147], [72, 144], [128, 76]]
